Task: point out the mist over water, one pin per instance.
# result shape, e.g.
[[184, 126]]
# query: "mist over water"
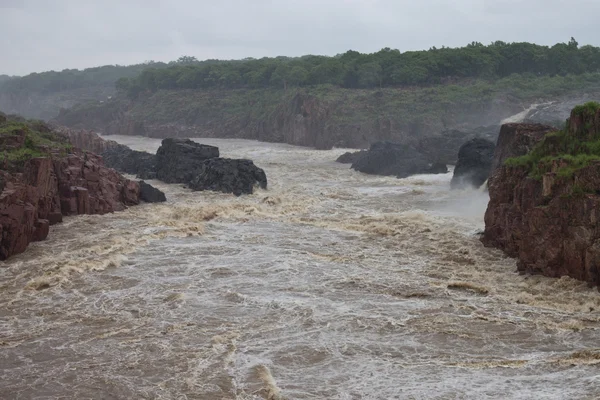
[[331, 284]]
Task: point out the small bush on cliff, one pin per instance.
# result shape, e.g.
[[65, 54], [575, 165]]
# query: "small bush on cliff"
[[17, 158], [523, 161], [589, 108], [23, 140], [561, 150]]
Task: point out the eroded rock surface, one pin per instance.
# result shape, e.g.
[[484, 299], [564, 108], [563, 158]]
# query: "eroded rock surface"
[[51, 187], [548, 220]]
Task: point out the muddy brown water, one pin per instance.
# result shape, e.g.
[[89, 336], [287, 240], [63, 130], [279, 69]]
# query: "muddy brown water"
[[331, 284]]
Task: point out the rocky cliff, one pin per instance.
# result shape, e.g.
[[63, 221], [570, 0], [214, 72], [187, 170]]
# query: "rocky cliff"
[[544, 206], [319, 117], [115, 155], [517, 139], [43, 178]]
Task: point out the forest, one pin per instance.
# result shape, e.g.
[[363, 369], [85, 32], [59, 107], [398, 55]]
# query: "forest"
[[385, 68]]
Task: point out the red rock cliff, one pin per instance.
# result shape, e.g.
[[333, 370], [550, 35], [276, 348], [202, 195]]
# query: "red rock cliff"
[[550, 223], [51, 187], [87, 140]]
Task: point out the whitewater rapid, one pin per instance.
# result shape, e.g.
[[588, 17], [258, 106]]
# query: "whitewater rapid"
[[331, 284]]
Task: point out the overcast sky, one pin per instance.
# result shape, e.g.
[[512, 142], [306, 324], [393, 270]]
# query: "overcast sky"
[[41, 35]]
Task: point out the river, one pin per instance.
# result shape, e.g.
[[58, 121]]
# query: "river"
[[331, 284]]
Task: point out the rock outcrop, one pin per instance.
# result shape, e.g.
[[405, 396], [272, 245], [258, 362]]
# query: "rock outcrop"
[[386, 158], [150, 194], [43, 178], [87, 140], [228, 176], [177, 160], [517, 139], [474, 163], [51, 187], [544, 206], [117, 156], [350, 157], [200, 167]]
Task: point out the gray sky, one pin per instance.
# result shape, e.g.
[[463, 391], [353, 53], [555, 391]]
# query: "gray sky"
[[40, 35]]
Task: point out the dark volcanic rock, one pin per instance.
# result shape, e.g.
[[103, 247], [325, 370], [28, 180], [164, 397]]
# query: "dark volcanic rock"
[[199, 166], [444, 147], [350, 157], [229, 176], [386, 158], [150, 194], [129, 161], [178, 159], [474, 163]]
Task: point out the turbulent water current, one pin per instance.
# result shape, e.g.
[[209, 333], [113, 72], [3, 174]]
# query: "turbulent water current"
[[331, 284]]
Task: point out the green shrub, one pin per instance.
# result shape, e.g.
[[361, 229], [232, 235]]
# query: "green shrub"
[[39, 141], [560, 147], [589, 108]]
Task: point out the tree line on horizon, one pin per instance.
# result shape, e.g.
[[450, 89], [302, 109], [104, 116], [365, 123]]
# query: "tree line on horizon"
[[385, 68]]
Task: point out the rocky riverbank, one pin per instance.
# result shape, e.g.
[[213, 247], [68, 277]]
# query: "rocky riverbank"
[[44, 178], [544, 205]]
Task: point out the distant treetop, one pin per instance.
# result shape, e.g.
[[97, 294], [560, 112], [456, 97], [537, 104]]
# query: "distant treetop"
[[385, 68]]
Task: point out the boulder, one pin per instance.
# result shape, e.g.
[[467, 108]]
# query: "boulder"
[[178, 159], [474, 163], [350, 157], [199, 166], [150, 194], [386, 158], [228, 176]]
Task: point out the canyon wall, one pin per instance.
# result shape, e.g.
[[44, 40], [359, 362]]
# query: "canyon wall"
[[51, 187], [544, 207]]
